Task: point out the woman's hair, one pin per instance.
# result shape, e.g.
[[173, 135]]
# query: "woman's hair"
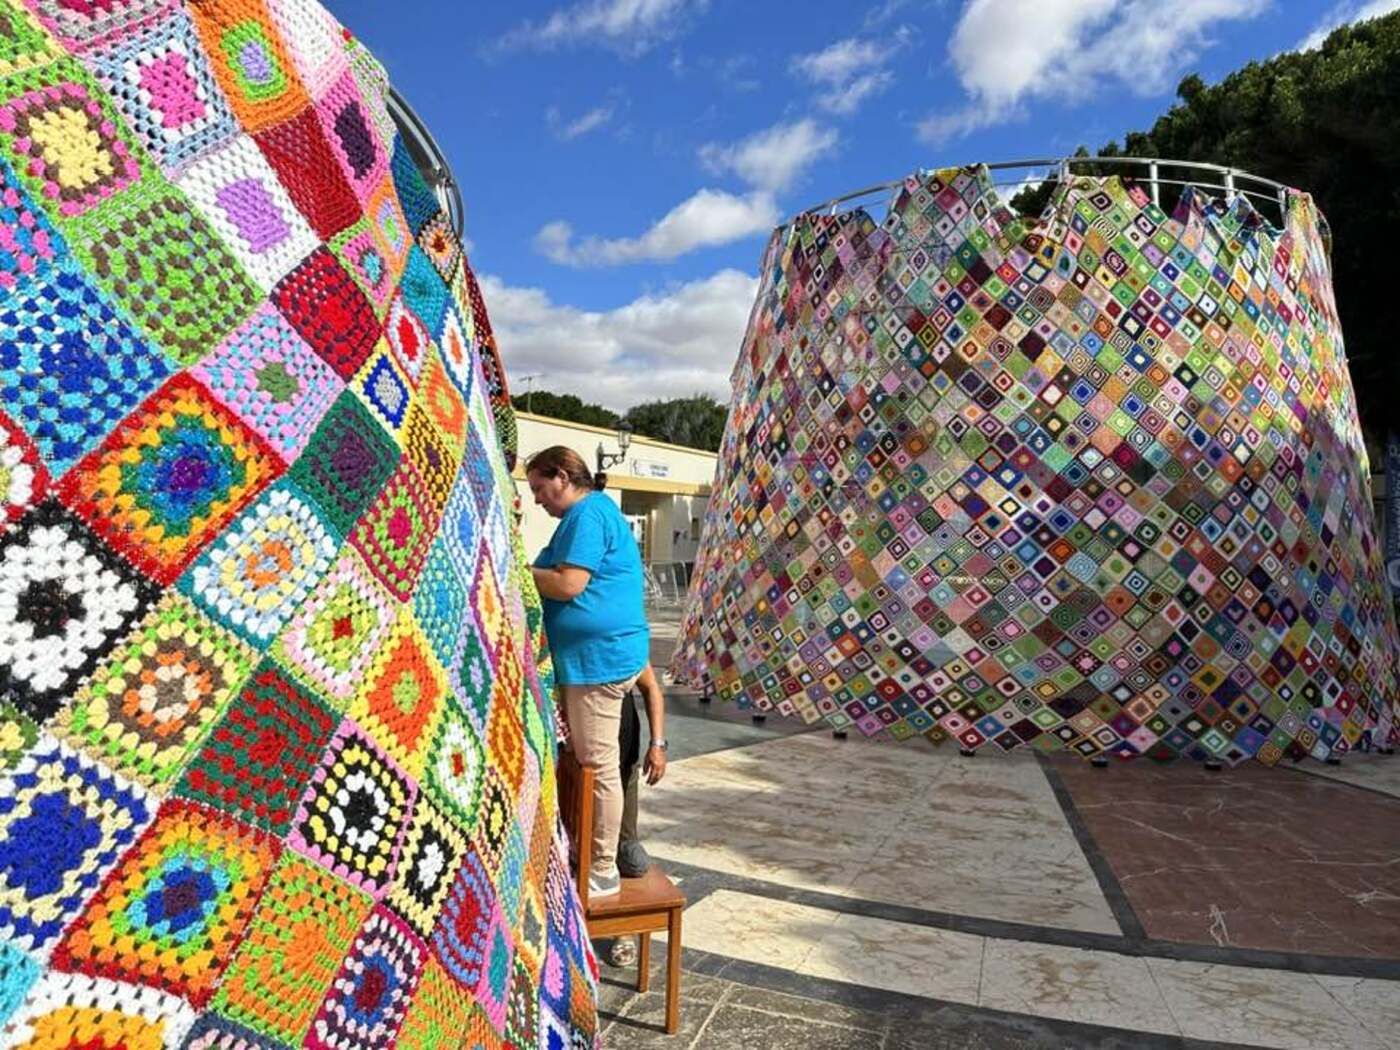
[[560, 460]]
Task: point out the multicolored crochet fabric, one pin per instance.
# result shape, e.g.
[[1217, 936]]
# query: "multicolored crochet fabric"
[[1094, 483], [276, 736]]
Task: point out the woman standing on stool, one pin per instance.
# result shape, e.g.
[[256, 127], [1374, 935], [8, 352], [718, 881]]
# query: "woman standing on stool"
[[590, 577]]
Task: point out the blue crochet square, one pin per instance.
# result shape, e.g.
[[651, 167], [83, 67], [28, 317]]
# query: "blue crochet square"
[[423, 290], [64, 822], [71, 366]]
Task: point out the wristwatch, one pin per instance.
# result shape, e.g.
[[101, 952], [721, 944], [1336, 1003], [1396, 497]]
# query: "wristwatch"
[[659, 741]]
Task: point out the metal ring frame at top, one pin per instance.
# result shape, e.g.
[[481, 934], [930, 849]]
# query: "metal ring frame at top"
[[1232, 181], [430, 159]]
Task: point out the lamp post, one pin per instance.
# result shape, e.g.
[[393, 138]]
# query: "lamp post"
[[624, 439]]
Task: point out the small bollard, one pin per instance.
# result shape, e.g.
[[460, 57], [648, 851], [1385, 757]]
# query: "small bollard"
[[966, 752], [838, 734], [758, 720], [1214, 765], [1099, 762], [1333, 760]]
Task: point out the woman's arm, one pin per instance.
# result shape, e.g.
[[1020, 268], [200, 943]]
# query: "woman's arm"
[[654, 764], [562, 583]]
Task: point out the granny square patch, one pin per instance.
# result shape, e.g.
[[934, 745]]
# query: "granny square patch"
[[267, 374], [314, 40], [83, 22], [456, 767], [415, 198], [170, 478], [65, 600], [250, 61], [346, 462], [161, 82], [327, 308], [332, 639], [384, 389], [62, 139], [173, 912], [64, 821], [444, 404], [18, 972], [351, 136], [437, 1014], [423, 291], [149, 702], [298, 151], [461, 939], [439, 243], [440, 602], [24, 43], [240, 196], [24, 481], [402, 695], [109, 1014], [352, 814], [366, 259], [29, 244], [259, 756], [386, 219], [497, 968], [455, 346], [305, 923], [71, 366], [164, 265], [407, 336], [396, 531], [369, 997], [432, 851], [253, 578]]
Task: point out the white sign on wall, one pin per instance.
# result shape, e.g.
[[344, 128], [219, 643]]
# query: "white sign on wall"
[[650, 468]]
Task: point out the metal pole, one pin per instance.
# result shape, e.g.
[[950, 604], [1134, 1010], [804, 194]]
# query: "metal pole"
[[1154, 184]]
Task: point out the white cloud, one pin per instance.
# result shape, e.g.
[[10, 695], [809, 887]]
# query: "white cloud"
[[630, 27], [1345, 14], [565, 130], [772, 159], [671, 344], [852, 70], [1008, 52], [705, 219]]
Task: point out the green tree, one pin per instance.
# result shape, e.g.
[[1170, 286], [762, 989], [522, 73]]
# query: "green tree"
[[696, 421], [565, 406], [1326, 121]]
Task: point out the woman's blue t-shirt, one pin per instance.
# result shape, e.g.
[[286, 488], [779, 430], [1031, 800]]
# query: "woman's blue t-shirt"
[[602, 635]]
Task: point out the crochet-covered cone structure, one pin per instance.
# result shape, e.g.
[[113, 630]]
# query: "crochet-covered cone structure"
[[277, 742], [1093, 483]]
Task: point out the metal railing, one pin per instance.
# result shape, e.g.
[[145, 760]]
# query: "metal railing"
[[666, 582], [1231, 181], [431, 161]]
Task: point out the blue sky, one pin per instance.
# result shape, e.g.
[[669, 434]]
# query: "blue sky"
[[623, 161]]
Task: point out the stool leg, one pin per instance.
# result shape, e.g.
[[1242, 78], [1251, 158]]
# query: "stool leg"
[[673, 971], [644, 963]]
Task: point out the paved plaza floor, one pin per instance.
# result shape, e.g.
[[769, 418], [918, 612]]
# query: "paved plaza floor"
[[859, 894]]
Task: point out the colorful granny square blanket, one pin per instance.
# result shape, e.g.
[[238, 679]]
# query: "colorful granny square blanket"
[[276, 727], [1094, 482]]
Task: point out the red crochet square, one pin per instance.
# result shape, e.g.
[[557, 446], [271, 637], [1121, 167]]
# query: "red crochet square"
[[298, 151], [324, 304]]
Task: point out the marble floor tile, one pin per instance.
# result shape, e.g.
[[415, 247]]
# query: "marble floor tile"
[[1254, 1007], [1376, 1004], [914, 960], [1073, 984], [1251, 857], [1375, 771], [755, 929]]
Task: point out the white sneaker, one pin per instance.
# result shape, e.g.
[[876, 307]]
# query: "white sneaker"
[[603, 885]]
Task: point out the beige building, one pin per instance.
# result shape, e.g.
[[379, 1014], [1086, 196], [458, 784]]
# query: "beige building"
[[662, 489]]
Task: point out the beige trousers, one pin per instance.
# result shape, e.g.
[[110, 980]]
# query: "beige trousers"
[[595, 718]]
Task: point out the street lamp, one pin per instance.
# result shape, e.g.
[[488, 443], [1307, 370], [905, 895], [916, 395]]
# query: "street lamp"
[[624, 439]]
